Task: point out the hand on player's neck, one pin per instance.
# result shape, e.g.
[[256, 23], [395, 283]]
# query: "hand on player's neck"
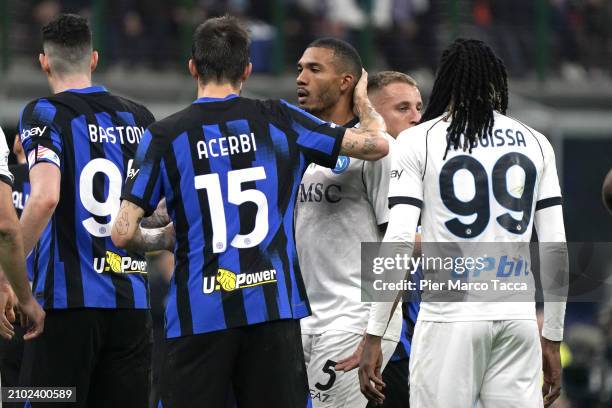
[[75, 81], [214, 90], [340, 113]]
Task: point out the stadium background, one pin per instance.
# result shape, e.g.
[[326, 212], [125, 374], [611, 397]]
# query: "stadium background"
[[558, 53]]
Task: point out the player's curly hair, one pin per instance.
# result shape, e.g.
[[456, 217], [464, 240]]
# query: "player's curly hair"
[[471, 83]]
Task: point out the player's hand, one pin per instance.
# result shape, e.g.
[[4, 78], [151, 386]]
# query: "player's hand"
[[351, 362], [370, 377], [7, 313], [361, 92], [32, 318], [551, 364]]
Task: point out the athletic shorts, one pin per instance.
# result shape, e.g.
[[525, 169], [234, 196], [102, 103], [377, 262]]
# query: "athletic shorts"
[[397, 385], [104, 353], [262, 363], [491, 364], [330, 388], [11, 354]]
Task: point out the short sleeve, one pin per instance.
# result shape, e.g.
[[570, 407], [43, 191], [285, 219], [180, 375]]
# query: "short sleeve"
[[318, 140], [407, 167], [39, 134], [549, 190], [376, 179], [5, 174], [143, 182]]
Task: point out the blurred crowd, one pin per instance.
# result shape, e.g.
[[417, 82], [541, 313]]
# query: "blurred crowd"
[[562, 37]]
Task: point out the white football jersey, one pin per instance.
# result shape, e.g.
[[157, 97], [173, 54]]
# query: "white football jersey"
[[336, 210], [5, 174], [487, 196]]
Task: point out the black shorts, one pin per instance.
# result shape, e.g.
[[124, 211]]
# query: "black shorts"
[[396, 377], [11, 352], [263, 364], [104, 353]]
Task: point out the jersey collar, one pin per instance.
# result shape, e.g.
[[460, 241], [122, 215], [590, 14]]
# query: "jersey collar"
[[351, 123], [207, 99], [88, 90]]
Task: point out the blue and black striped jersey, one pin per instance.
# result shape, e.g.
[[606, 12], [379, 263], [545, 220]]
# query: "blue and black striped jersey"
[[92, 136], [21, 193], [230, 169], [21, 186]]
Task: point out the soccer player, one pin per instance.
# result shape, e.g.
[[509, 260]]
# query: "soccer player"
[[229, 168], [465, 353], [347, 201], [398, 99], [80, 143], [11, 350], [12, 262]]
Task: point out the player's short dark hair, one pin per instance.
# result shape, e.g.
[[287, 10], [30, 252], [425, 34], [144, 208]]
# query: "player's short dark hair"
[[346, 57], [381, 79], [67, 42], [471, 83], [220, 50]]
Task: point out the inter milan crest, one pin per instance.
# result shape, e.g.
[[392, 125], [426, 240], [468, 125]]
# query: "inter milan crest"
[[342, 164]]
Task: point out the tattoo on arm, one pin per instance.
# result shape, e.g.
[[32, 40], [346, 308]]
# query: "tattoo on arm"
[[159, 218], [122, 225], [369, 145]]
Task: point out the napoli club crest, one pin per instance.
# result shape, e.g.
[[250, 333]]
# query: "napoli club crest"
[[342, 164]]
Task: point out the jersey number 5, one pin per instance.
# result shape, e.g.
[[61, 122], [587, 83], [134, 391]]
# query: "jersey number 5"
[[479, 204], [237, 196]]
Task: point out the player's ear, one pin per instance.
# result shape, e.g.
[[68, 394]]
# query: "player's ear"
[[94, 61], [347, 82], [247, 72], [193, 70], [44, 63]]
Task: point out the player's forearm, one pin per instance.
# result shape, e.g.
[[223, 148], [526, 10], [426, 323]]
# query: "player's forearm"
[[369, 118], [554, 269], [128, 234], [34, 219], [368, 142], [12, 260], [149, 240], [403, 218]]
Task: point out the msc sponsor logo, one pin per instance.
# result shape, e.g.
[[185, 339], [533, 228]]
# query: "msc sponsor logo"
[[36, 131], [229, 281], [317, 192], [119, 264], [341, 164]]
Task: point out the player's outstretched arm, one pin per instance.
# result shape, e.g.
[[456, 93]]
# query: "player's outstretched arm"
[[12, 261], [369, 141], [128, 234]]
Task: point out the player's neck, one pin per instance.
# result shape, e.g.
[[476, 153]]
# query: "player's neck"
[[70, 82], [340, 113], [212, 90]]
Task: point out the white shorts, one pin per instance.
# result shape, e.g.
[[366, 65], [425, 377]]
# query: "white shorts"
[[482, 363], [330, 388]]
